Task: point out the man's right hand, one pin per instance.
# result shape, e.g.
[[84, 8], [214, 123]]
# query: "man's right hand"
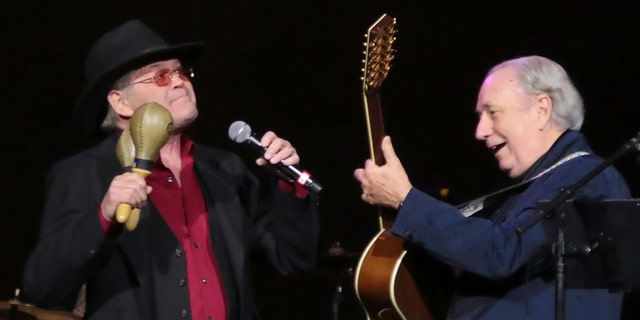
[[128, 188]]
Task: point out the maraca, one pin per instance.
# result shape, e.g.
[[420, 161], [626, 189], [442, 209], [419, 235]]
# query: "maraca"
[[149, 127], [126, 152]]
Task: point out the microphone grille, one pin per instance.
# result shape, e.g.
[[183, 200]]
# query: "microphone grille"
[[239, 131]]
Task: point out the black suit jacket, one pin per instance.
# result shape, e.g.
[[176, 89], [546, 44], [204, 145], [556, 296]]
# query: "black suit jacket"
[[142, 274]]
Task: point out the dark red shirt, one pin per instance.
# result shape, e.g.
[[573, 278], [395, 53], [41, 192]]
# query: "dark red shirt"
[[183, 208]]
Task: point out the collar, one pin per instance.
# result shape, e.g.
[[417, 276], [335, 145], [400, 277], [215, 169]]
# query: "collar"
[[187, 151], [569, 142]]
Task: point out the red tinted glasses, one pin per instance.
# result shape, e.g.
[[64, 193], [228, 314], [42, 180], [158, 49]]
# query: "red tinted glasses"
[[163, 77]]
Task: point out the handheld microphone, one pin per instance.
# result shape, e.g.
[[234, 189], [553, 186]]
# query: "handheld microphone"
[[240, 132]]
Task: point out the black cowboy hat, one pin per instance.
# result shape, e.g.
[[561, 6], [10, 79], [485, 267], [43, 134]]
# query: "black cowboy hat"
[[127, 47]]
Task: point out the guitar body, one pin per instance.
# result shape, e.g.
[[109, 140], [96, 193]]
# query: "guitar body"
[[392, 282], [384, 286], [395, 283]]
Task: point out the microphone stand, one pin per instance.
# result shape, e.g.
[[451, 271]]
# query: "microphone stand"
[[552, 209]]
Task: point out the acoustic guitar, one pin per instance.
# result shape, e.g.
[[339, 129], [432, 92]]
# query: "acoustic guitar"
[[389, 278]]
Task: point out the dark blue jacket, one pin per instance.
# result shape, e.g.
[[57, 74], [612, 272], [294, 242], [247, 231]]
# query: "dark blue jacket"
[[498, 281]]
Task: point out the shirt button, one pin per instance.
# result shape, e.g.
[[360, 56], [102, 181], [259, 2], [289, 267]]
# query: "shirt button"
[[204, 280], [195, 244], [170, 179], [182, 282], [178, 252]]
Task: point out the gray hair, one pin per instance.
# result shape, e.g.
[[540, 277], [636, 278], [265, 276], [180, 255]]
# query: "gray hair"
[[538, 75], [110, 120]]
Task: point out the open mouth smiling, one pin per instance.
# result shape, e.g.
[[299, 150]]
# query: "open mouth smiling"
[[497, 147]]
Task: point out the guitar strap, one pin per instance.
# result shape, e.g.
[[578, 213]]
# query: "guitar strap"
[[471, 207]]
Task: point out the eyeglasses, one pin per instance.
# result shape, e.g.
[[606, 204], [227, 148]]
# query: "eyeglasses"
[[163, 77]]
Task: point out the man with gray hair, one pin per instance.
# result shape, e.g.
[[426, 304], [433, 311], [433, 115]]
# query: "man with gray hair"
[[529, 114]]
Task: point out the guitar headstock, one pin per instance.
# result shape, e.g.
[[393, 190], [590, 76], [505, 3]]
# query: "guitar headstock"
[[378, 52]]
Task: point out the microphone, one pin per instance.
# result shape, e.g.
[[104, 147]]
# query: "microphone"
[[240, 132]]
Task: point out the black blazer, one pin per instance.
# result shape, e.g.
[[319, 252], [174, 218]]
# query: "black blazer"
[[142, 274]]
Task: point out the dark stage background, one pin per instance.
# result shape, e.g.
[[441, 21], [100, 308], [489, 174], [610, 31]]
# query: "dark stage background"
[[294, 68]]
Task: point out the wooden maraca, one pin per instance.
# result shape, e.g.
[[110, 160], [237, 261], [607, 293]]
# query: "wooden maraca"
[[126, 152], [149, 128]]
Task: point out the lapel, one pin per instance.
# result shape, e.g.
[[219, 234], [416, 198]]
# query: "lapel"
[[226, 214], [485, 205]]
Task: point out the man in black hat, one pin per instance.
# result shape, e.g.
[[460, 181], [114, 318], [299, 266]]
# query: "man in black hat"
[[188, 256]]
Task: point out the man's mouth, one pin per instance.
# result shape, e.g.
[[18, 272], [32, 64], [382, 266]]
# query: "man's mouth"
[[497, 147], [179, 98]]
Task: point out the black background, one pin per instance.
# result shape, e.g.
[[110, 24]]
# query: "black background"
[[294, 68]]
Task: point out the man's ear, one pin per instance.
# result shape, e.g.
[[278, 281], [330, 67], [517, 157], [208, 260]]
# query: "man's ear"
[[119, 104], [544, 108]]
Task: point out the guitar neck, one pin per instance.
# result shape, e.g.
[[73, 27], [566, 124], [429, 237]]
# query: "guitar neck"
[[375, 125], [375, 129], [377, 62]]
